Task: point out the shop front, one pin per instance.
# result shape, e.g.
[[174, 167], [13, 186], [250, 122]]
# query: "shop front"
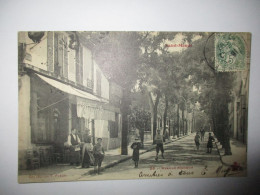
[[55, 108]]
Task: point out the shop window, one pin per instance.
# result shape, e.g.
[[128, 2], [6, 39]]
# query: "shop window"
[[44, 124]]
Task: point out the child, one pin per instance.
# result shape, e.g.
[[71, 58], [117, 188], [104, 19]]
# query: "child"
[[197, 140], [210, 143], [99, 154], [136, 146], [159, 143]]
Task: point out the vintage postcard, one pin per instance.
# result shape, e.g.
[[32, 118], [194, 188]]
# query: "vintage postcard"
[[132, 105]]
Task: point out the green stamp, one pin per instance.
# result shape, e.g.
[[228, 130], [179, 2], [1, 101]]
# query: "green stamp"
[[230, 52]]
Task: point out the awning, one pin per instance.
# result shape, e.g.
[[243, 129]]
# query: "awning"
[[69, 89], [91, 110], [85, 109]]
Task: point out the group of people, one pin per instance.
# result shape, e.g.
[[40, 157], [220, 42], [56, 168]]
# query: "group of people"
[[200, 137], [94, 155], [159, 139], [91, 155]]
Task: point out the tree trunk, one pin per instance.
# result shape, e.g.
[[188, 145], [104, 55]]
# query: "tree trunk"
[[182, 121], [178, 120], [186, 127], [155, 115], [222, 112], [125, 109], [165, 114]]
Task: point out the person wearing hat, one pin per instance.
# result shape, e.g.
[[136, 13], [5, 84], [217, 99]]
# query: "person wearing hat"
[[159, 143], [136, 147], [210, 143], [99, 154]]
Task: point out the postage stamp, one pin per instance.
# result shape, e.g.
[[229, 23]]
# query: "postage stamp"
[[230, 52]]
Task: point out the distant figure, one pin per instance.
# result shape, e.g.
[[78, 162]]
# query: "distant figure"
[[210, 143], [202, 133], [166, 133], [137, 133], [99, 154], [73, 142], [159, 143], [136, 147], [197, 140]]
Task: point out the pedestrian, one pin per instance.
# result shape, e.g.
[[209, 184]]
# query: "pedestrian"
[[210, 143], [99, 154], [197, 140], [74, 147], [87, 150], [136, 147], [137, 133], [159, 143], [202, 132], [166, 134]]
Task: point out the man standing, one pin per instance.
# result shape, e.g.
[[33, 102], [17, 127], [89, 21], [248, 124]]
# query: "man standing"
[[73, 142], [159, 143]]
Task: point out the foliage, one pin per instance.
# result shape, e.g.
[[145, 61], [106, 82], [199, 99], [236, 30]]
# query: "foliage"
[[140, 119]]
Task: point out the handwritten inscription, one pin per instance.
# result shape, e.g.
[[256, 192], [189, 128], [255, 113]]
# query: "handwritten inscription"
[[166, 171], [154, 174]]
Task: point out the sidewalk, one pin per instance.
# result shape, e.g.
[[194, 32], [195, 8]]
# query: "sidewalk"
[[68, 173], [114, 157], [239, 154]]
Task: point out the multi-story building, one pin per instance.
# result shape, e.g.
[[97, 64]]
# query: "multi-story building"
[[238, 108], [62, 87]]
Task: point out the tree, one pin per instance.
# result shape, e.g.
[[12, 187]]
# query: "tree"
[[118, 54], [140, 119], [155, 73], [214, 87]]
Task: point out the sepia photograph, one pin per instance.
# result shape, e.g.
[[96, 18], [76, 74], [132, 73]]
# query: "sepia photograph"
[[117, 105]]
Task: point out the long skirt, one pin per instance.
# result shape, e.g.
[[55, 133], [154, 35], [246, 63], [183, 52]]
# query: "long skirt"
[[74, 156]]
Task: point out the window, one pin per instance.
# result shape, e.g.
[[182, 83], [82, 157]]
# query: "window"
[[98, 75], [57, 54], [79, 65], [44, 122], [113, 127]]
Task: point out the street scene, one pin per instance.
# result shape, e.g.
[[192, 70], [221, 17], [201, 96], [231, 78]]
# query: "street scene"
[[181, 159], [132, 105]]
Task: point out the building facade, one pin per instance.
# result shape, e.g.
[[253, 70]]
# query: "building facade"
[[62, 87], [238, 108]]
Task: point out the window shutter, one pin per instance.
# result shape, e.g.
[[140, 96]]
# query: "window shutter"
[[50, 51]]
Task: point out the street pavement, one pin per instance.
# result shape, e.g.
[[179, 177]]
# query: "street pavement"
[[182, 159]]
